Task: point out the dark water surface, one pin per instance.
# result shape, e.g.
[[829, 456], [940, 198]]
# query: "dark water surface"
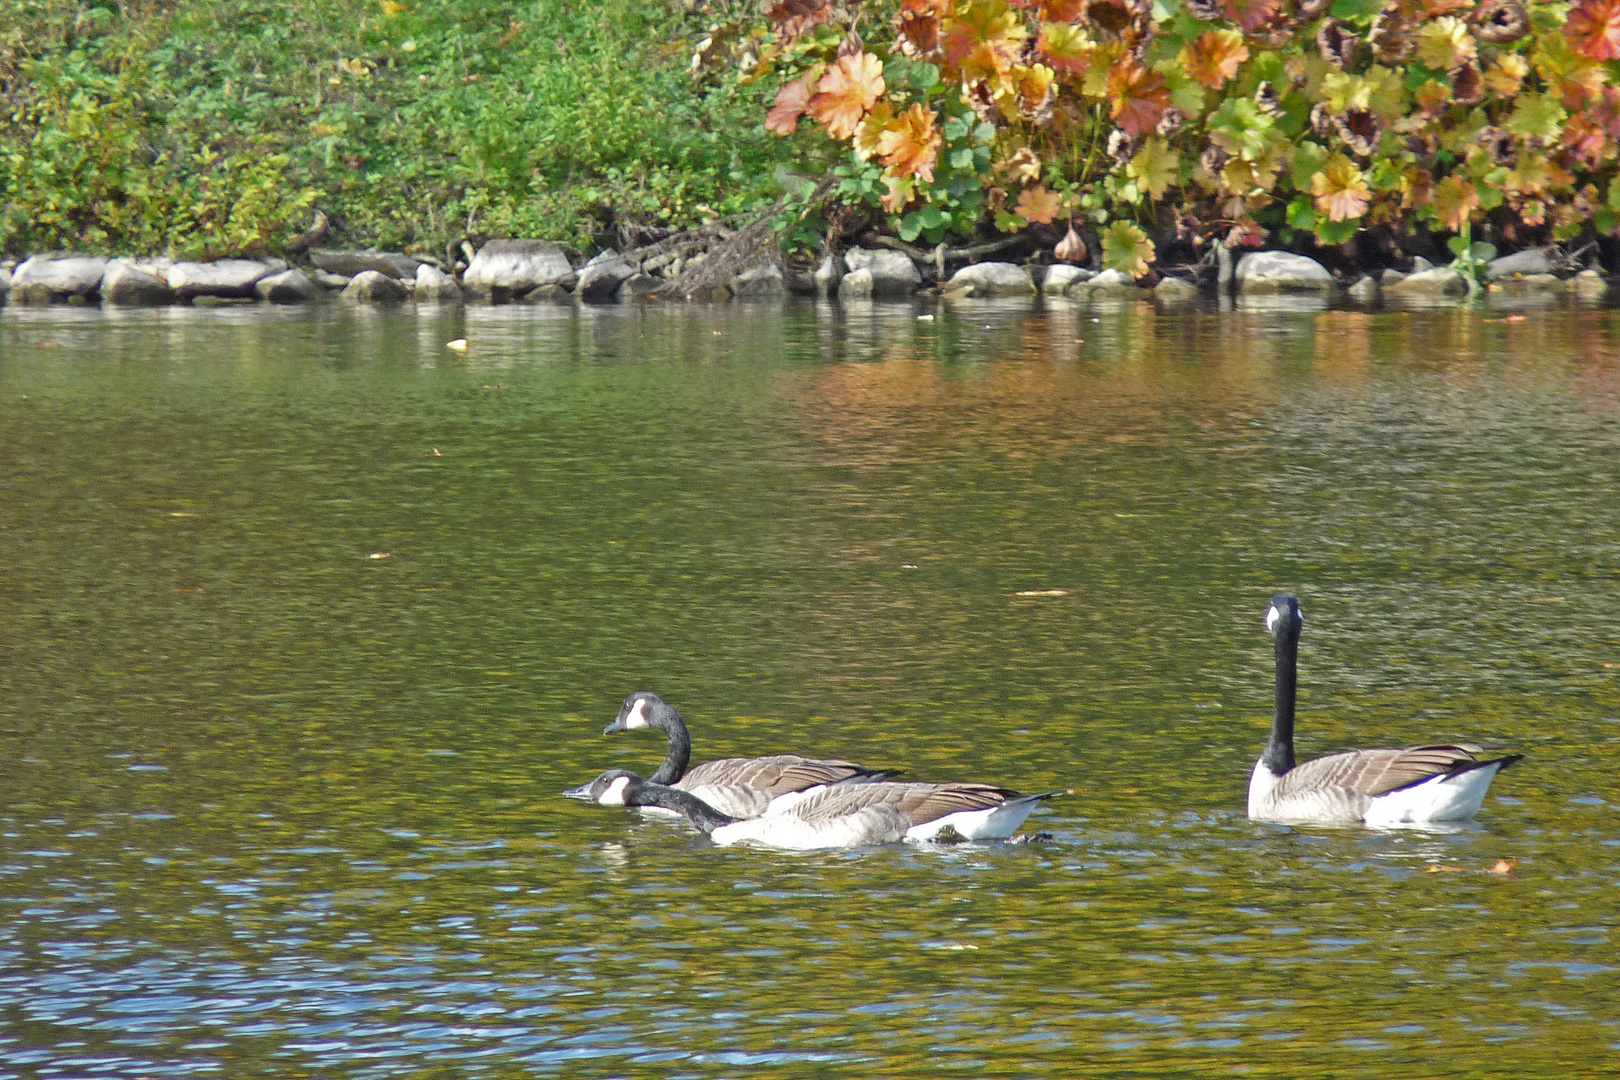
[[305, 620]]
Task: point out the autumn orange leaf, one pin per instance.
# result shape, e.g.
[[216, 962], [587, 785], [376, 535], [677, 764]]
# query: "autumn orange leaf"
[[909, 144], [917, 23], [1340, 189], [843, 95], [1455, 200], [901, 192], [1503, 867], [871, 129], [1066, 47], [791, 102], [1038, 205], [1593, 29], [1213, 57], [984, 40], [1139, 96]]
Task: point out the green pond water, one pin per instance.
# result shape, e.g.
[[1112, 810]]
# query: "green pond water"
[[305, 622]]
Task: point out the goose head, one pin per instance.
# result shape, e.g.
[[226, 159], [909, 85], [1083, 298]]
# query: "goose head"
[[609, 789], [1283, 617], [642, 709]]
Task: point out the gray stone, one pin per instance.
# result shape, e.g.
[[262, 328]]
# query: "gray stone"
[[829, 274], [994, 279], [893, 273], [1589, 285], [856, 285], [224, 301], [375, 287], [505, 268], [330, 281], [1429, 284], [226, 278], [5, 280], [1532, 283], [1060, 276], [125, 284], [1528, 261], [287, 287], [1390, 277], [543, 294], [641, 287], [1223, 263], [1281, 271], [599, 279], [1365, 291], [1420, 264], [763, 282], [349, 263], [46, 279], [1175, 290], [433, 284], [1107, 283]]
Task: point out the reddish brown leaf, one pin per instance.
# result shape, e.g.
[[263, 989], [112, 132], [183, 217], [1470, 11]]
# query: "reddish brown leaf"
[[1066, 47], [843, 95], [917, 23], [984, 40], [1139, 96], [1037, 204], [1593, 29], [1254, 15]]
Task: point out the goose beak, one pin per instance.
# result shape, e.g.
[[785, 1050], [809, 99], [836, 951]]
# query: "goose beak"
[[617, 725], [583, 793]]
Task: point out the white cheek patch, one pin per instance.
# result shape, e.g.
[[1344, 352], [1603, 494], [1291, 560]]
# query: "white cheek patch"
[[1271, 619], [638, 715], [614, 795]]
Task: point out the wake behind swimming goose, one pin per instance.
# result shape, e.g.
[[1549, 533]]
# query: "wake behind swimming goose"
[[737, 787], [1414, 785], [838, 815]]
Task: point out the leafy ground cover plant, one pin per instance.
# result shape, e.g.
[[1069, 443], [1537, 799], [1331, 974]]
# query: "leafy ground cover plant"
[[1162, 123], [213, 128]]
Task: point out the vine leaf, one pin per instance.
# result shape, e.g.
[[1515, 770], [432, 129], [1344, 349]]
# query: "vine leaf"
[[1254, 15], [792, 101], [1213, 57], [1593, 28], [850, 87], [983, 41], [1455, 201], [1139, 96], [1127, 249], [1038, 205], [1066, 47], [1340, 189], [1155, 167], [909, 144]]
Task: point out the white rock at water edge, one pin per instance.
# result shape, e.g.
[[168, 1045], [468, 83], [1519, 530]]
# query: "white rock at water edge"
[[434, 284], [1528, 261], [288, 287], [994, 279], [892, 272], [1174, 290], [763, 282], [44, 279], [1109, 282], [856, 285], [829, 274], [349, 263], [126, 285], [599, 279], [1060, 276], [1281, 271], [513, 267], [1440, 282], [375, 287], [228, 278]]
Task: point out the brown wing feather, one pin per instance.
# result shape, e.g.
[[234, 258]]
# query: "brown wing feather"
[[774, 775], [918, 802], [1372, 773]]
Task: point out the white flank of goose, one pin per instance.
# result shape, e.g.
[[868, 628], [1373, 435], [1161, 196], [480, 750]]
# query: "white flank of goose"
[[737, 787], [838, 815], [1411, 786]]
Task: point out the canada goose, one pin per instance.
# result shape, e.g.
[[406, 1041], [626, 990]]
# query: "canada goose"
[[737, 787], [1379, 787], [837, 815]]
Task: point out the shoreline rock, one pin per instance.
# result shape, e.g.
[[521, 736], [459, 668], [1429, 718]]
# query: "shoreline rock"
[[349, 263], [228, 279], [892, 273], [57, 277], [288, 287], [1280, 271], [503, 269], [375, 287], [125, 284], [994, 279]]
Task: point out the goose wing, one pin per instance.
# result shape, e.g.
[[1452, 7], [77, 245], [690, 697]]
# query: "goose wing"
[[776, 775], [919, 803], [1371, 773]]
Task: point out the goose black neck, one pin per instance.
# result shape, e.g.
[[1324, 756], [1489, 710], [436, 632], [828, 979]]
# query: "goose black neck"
[[702, 816], [679, 755], [1279, 755]]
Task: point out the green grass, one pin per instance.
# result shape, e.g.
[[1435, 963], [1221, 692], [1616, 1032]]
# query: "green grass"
[[203, 127]]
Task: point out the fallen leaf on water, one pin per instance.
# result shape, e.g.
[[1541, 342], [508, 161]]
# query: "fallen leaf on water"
[[458, 345], [1517, 318], [908, 566], [1546, 599], [1436, 869], [189, 590], [47, 345], [1503, 867], [1043, 592], [182, 513], [381, 555], [437, 452]]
